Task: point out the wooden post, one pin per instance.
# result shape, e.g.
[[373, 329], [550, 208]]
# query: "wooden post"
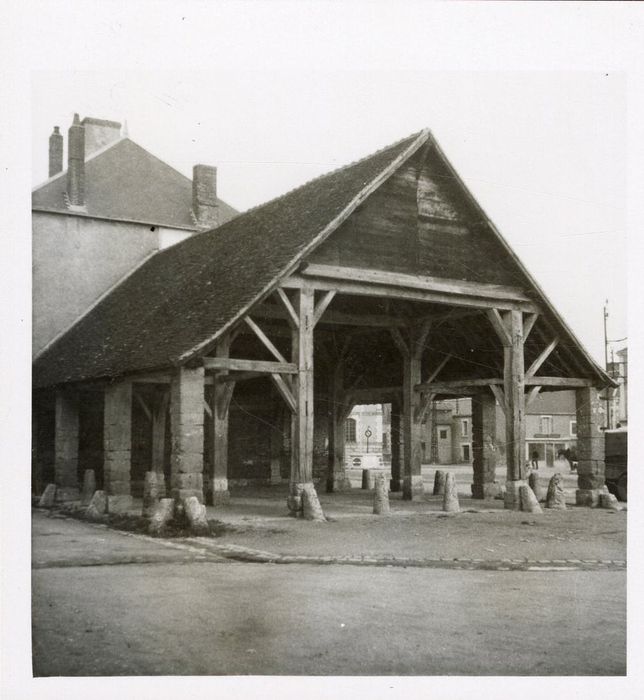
[[336, 479], [514, 394], [395, 447], [117, 445], [302, 462], [412, 479], [484, 446], [590, 447], [222, 395]]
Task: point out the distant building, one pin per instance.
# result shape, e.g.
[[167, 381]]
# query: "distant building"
[[95, 222], [618, 402]]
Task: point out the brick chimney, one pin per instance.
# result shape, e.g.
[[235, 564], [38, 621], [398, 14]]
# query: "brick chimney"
[[99, 133], [204, 197], [76, 164], [55, 152]]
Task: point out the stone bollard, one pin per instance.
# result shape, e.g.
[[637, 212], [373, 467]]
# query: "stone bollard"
[[294, 500], [48, 497], [196, 516], [367, 480], [97, 506], [533, 483], [381, 496], [528, 500], [89, 486], [608, 500], [311, 508], [151, 494], [439, 482], [162, 515], [450, 496], [556, 498]]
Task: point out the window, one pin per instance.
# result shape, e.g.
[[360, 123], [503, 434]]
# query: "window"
[[545, 425], [443, 434], [466, 453], [350, 430], [573, 427], [464, 427]]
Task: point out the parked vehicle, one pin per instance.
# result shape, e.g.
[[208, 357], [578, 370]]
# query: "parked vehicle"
[[617, 461]]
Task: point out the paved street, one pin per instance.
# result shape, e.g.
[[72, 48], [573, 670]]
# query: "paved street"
[[109, 603]]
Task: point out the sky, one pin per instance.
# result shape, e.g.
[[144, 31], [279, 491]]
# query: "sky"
[[543, 152]]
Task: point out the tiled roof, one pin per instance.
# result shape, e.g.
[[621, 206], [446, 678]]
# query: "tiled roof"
[[183, 296], [127, 183]]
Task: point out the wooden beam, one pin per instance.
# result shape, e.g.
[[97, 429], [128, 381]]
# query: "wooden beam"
[[418, 338], [426, 402], [528, 324], [264, 339], [207, 409], [322, 305], [143, 405], [373, 395], [293, 320], [436, 372], [497, 323], [221, 378], [563, 382], [400, 342], [534, 367], [236, 365], [336, 318], [384, 291], [396, 279], [284, 391], [499, 395], [460, 383], [532, 395]]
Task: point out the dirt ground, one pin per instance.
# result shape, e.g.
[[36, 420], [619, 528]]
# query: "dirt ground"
[[112, 603]]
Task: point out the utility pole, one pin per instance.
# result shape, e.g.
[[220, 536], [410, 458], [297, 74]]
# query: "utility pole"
[[608, 389]]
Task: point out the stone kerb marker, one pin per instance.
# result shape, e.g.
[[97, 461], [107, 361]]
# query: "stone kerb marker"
[[528, 500], [162, 515], [151, 493], [556, 497], [608, 500], [196, 516], [97, 506], [450, 497], [89, 486], [48, 497], [381, 496], [439, 482], [311, 508], [533, 483]]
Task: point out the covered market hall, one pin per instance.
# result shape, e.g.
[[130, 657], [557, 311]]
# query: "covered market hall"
[[238, 354]]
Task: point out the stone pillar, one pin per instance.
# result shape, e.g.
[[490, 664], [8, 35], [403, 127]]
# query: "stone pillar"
[[336, 475], [159, 414], [117, 445], [484, 446], [66, 446], [590, 447], [302, 421], [396, 481], [186, 425]]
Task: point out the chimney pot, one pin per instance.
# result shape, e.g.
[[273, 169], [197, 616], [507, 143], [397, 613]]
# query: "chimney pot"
[[55, 152], [99, 133], [76, 164], [205, 207]]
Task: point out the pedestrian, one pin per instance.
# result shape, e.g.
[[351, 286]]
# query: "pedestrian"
[[534, 463], [568, 455]]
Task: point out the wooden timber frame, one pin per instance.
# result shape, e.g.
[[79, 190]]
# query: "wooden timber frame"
[[304, 299]]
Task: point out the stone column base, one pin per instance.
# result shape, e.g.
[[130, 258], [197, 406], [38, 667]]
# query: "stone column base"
[[488, 490], [413, 487], [589, 497], [67, 493], [180, 495], [119, 504], [220, 498], [512, 500], [395, 485], [340, 482]]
